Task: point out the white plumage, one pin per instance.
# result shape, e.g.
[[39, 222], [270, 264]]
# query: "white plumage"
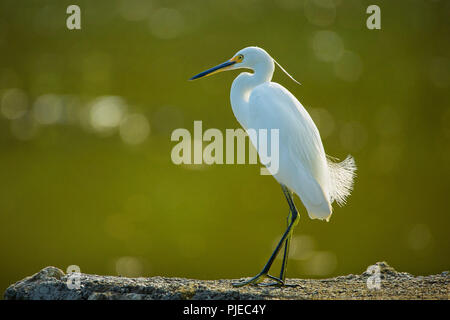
[[304, 167]]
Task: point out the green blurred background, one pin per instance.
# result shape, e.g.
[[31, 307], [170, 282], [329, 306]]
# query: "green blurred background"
[[86, 117]]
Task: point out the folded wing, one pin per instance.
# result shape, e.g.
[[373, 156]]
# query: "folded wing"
[[303, 166]]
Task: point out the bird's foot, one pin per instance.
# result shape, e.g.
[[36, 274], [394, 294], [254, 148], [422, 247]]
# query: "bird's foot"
[[258, 280]]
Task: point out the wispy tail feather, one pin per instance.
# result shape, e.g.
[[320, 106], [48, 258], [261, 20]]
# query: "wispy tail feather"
[[342, 175]]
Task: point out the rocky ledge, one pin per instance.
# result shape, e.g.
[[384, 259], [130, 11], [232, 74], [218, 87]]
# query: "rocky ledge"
[[52, 284]]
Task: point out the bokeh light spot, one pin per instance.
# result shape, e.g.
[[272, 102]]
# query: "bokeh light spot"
[[129, 267], [327, 46], [134, 129], [324, 121], [302, 247], [321, 263], [48, 109], [107, 112], [14, 103]]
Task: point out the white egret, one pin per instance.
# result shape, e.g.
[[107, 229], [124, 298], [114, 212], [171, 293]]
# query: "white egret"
[[304, 168]]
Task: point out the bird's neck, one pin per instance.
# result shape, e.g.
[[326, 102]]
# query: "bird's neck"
[[244, 84]]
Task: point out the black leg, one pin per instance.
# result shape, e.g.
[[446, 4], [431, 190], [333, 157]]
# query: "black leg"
[[286, 251], [288, 195], [265, 271]]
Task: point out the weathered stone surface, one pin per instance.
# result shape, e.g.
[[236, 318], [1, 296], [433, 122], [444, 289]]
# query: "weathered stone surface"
[[51, 283]]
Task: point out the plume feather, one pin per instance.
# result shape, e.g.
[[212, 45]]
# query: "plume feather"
[[292, 78], [342, 176]]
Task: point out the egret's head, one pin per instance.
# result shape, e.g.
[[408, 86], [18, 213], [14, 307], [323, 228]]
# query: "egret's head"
[[248, 58]]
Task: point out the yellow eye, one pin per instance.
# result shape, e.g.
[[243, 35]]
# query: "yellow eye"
[[238, 58]]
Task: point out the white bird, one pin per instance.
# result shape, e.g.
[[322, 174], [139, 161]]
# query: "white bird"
[[304, 168]]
